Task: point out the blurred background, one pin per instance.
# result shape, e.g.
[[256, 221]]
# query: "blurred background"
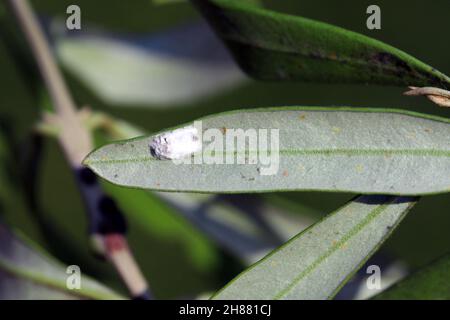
[[158, 65]]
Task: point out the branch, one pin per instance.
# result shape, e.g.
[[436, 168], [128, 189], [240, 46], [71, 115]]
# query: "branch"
[[107, 225]]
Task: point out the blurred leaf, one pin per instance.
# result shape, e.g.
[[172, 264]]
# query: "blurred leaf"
[[18, 106], [429, 283], [18, 210], [151, 71], [247, 227], [140, 16], [324, 149], [13, 204], [319, 261], [274, 46], [26, 273]]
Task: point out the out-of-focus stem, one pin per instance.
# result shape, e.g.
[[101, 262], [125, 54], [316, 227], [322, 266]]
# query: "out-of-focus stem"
[[76, 141]]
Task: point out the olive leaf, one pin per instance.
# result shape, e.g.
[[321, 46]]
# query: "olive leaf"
[[368, 151], [429, 283], [275, 46], [246, 231], [319, 261], [28, 273]]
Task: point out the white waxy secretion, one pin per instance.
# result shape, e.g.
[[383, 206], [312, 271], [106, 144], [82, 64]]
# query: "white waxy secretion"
[[176, 144]]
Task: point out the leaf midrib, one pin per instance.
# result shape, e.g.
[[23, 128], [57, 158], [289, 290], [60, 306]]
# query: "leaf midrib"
[[305, 272], [353, 232], [311, 152]]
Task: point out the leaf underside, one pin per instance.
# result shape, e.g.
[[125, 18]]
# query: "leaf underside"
[[369, 151], [319, 261]]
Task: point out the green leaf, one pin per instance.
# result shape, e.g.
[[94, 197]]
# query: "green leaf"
[[368, 151], [319, 261], [275, 46], [28, 273], [430, 283]]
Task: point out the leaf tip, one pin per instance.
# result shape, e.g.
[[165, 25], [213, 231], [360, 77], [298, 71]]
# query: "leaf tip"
[[87, 161]]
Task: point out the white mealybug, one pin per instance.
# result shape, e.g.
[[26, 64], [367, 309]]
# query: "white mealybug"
[[176, 144]]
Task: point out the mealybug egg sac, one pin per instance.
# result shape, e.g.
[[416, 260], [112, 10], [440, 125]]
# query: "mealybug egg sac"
[[175, 144]]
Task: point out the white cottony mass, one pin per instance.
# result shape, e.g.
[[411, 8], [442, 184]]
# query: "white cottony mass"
[[222, 146], [176, 144]]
